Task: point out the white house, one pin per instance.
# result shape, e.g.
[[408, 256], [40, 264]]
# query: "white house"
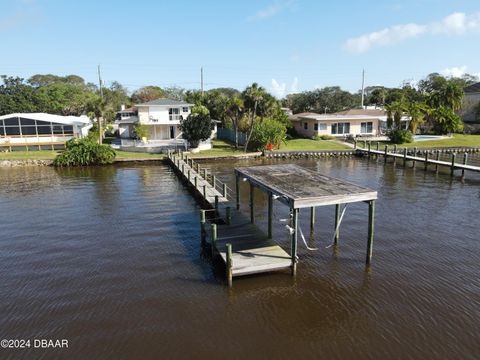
[[162, 116], [354, 122], [35, 131]]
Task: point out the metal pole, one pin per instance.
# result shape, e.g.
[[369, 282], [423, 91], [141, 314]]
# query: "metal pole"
[[371, 225]]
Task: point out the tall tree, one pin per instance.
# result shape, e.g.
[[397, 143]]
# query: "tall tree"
[[17, 96], [254, 97], [146, 94]]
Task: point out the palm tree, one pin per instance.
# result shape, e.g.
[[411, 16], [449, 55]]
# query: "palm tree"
[[254, 95], [395, 113], [233, 107], [417, 112]]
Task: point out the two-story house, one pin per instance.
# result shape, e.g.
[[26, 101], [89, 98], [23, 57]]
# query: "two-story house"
[[161, 116]]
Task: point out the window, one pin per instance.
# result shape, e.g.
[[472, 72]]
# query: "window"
[[29, 130], [68, 129], [315, 126], [305, 126], [366, 127], [322, 126], [185, 109], [174, 111], [341, 128]]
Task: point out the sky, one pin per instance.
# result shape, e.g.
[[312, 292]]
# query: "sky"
[[286, 46]]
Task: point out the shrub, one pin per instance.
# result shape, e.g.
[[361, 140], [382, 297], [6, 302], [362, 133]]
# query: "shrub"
[[323, 137], [196, 127], [82, 152], [400, 136], [268, 131], [141, 131]]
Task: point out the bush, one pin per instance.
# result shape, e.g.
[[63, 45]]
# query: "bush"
[[196, 127], [400, 136], [268, 131], [82, 152], [140, 131], [323, 137]]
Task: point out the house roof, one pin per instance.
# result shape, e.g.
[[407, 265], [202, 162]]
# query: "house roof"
[[66, 120], [369, 112], [130, 109], [353, 114], [165, 102], [472, 88]]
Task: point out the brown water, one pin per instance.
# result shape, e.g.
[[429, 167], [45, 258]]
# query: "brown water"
[[109, 258]]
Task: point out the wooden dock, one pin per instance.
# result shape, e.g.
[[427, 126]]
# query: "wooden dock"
[[243, 247], [430, 157]]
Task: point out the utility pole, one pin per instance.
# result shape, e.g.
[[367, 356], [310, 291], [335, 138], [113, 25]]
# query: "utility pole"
[[100, 137], [363, 86], [201, 79]]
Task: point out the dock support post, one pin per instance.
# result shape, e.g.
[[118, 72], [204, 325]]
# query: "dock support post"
[[214, 181], [205, 192], [225, 191], [228, 216], [465, 158], [426, 160], [205, 173], [371, 225], [294, 241], [198, 168], [229, 265], [202, 227], [337, 220], [414, 155], [438, 159], [183, 168], [216, 203], [252, 210], [395, 148], [386, 153], [312, 219], [404, 157], [237, 191], [188, 175], [195, 180], [369, 148], [378, 145], [214, 238], [270, 214], [452, 167], [354, 144]]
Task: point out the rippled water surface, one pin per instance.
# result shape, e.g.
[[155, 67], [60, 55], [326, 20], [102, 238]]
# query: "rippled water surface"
[[109, 258]]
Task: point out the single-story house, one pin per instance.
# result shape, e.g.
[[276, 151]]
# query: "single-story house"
[[354, 122], [36, 131], [162, 116]]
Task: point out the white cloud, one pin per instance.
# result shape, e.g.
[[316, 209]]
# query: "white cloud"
[[271, 10], [454, 24], [457, 71], [280, 90]]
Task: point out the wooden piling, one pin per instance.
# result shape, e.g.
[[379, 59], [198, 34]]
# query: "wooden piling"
[[216, 203], [414, 155], [452, 166], [371, 225], [369, 148], [229, 264], [404, 157], [195, 180], [225, 191], [386, 153], [252, 210], [202, 227], [205, 173], [188, 175], [214, 239], [228, 215], [337, 220], [378, 145], [214, 180], [205, 192], [237, 191], [438, 158], [312, 219], [426, 161], [270, 214], [294, 240], [465, 158], [354, 144]]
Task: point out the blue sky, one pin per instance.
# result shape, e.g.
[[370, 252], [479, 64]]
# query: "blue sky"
[[285, 45]]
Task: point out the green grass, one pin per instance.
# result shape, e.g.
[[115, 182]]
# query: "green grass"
[[308, 144], [458, 140], [220, 148]]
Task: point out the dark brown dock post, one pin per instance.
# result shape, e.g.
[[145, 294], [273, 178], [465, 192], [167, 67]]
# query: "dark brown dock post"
[[270, 214], [205, 192], [414, 155], [438, 159], [228, 215], [369, 148], [237, 191], [337, 220], [465, 158], [229, 265], [386, 153], [225, 191], [198, 168], [404, 157], [202, 227], [452, 168], [294, 241], [216, 203], [371, 225], [195, 180], [354, 144], [188, 174], [378, 146], [252, 210], [214, 180], [205, 173], [426, 160], [214, 238]]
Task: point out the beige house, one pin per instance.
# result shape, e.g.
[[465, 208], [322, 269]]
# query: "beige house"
[[354, 122]]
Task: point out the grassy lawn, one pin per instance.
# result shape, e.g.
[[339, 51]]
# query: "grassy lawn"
[[458, 140], [220, 148], [308, 144]]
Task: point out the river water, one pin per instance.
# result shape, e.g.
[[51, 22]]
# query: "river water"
[[109, 258]]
